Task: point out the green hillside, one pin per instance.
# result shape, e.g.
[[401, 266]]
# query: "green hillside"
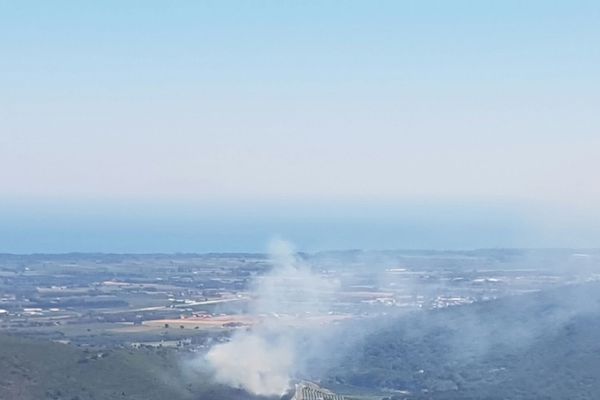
[[543, 345], [34, 370]]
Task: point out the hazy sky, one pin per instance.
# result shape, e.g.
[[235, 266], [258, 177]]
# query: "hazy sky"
[[347, 103]]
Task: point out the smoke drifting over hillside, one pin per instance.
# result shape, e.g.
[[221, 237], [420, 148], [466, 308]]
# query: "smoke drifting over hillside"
[[515, 302], [264, 358]]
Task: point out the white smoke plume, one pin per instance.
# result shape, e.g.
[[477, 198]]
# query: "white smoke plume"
[[264, 358], [254, 363]]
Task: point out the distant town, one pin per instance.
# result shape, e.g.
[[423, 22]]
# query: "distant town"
[[186, 301]]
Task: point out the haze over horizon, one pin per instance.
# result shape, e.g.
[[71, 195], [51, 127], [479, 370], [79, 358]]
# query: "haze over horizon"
[[215, 126]]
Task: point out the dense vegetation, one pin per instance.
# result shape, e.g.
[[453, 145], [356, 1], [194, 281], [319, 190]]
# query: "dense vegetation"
[[542, 346], [35, 370]]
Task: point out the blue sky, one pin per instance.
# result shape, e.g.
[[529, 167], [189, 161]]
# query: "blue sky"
[[214, 125]]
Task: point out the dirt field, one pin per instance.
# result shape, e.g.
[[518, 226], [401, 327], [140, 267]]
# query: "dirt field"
[[219, 321]]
